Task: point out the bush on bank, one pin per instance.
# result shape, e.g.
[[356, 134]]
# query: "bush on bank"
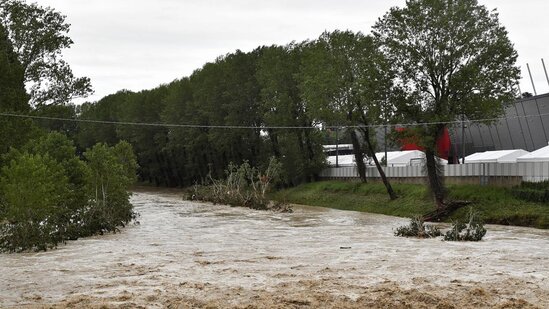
[[49, 195]]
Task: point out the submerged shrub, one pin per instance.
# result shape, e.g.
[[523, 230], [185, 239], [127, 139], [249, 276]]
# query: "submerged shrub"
[[244, 185], [418, 228], [112, 171], [473, 230]]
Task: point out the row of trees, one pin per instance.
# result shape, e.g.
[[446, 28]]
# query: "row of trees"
[[257, 90], [339, 79]]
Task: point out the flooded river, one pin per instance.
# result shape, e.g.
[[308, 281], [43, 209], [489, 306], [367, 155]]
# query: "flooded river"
[[186, 254]]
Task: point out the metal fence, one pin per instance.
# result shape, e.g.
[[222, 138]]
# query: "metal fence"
[[531, 171]]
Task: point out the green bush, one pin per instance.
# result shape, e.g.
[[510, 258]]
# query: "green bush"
[[537, 192], [418, 228], [531, 195], [542, 185]]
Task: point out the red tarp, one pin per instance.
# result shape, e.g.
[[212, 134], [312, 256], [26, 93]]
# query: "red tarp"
[[443, 143]]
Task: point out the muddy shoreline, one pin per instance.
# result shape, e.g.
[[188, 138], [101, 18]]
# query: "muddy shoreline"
[[193, 255]]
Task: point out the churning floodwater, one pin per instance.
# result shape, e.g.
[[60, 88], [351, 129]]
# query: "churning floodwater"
[[187, 254]]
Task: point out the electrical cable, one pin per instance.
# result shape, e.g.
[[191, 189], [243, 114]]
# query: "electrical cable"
[[198, 126]]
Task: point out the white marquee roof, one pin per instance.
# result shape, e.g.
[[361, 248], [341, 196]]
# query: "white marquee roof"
[[539, 155], [395, 158], [498, 156]]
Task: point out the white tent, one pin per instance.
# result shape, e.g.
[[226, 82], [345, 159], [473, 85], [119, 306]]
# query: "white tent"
[[343, 160], [540, 155], [394, 158], [339, 146], [402, 158], [498, 156]]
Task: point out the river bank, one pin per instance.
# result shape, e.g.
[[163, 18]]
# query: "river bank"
[[497, 205], [185, 254]]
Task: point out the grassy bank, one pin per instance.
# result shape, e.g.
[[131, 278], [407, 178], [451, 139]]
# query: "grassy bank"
[[497, 205]]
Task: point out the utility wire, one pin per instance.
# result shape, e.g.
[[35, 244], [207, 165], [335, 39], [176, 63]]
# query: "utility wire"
[[198, 126]]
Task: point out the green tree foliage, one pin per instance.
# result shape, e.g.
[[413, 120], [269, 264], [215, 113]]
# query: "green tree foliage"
[[281, 105], [254, 89], [417, 228], [13, 97], [126, 157], [112, 171], [108, 108], [33, 188], [226, 93], [345, 81], [39, 35], [62, 150], [67, 111], [451, 58], [183, 146], [148, 142], [329, 84]]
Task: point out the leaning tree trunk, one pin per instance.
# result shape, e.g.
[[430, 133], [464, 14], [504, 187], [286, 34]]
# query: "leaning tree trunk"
[[380, 170], [310, 155], [359, 155], [435, 171]]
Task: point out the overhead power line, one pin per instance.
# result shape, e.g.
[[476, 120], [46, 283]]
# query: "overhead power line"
[[199, 126]]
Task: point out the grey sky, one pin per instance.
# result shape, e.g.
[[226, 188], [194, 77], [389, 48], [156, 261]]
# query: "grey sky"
[[137, 44]]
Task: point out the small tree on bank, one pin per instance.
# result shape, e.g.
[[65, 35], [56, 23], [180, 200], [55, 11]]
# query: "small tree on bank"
[[452, 58]]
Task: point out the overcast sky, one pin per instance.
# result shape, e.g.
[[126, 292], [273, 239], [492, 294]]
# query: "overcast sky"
[[139, 44]]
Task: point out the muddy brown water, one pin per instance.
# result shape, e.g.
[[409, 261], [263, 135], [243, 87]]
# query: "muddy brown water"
[[185, 254]]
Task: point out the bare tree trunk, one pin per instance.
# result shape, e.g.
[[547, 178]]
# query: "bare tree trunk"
[[371, 151], [359, 156], [310, 155], [435, 170], [274, 143]]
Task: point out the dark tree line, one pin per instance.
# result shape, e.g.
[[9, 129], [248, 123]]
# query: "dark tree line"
[[257, 90]]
